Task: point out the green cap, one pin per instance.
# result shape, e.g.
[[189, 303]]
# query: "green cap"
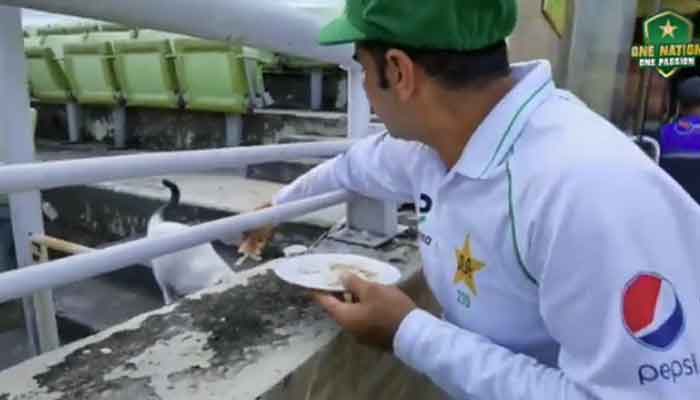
[[459, 25]]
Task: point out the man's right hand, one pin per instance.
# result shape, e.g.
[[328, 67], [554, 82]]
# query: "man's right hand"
[[254, 242]]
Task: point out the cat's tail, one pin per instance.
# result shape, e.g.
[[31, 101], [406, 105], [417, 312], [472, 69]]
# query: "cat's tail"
[[157, 216]]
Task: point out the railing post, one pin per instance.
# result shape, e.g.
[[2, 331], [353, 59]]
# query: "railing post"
[[15, 128], [316, 88], [234, 130], [370, 222], [74, 118], [119, 123]]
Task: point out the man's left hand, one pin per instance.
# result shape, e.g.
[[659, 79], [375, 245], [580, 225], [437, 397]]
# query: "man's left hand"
[[376, 317]]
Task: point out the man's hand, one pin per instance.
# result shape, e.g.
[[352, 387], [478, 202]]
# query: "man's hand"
[[254, 242], [376, 317]]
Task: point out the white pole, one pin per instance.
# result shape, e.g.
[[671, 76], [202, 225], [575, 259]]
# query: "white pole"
[[74, 118], [53, 174], [364, 214], [268, 24], [19, 283], [316, 88], [358, 105], [16, 129]]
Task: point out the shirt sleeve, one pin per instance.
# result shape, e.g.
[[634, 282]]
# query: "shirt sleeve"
[[614, 252], [378, 167]]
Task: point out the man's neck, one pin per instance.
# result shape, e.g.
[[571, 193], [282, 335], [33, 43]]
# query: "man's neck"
[[455, 116]]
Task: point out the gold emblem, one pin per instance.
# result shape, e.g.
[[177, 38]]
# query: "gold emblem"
[[668, 29], [467, 266]]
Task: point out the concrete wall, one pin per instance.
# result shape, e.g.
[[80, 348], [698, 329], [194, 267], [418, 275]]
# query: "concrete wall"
[[534, 38]]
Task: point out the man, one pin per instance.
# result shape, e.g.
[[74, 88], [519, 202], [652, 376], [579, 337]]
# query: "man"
[[682, 137], [566, 263]]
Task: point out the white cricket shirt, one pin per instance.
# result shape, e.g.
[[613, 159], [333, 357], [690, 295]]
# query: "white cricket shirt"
[[566, 262]]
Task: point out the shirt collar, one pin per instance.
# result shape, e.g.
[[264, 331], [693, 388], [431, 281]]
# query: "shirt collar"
[[494, 138]]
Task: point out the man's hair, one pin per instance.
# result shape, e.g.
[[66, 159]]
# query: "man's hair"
[[453, 69]]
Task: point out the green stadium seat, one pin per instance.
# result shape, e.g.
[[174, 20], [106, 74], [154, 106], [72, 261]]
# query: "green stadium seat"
[[57, 43], [212, 76], [146, 70], [48, 81], [90, 70]]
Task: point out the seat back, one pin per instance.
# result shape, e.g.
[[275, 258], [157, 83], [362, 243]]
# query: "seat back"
[[146, 72], [212, 76], [48, 81], [90, 70]]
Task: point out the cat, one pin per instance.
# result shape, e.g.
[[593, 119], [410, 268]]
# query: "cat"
[[187, 271]]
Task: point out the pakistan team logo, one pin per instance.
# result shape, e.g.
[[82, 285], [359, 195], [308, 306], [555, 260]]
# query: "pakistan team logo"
[[668, 44]]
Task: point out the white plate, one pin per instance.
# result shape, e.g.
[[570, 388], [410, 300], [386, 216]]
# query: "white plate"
[[321, 271]]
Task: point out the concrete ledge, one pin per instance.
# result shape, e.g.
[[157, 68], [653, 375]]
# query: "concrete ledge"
[[258, 338]]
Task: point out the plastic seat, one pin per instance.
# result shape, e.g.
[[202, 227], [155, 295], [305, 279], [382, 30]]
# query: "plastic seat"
[[146, 70], [57, 43], [48, 81], [90, 70], [212, 76]]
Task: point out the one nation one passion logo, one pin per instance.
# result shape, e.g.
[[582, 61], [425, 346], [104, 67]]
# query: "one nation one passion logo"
[[668, 44]]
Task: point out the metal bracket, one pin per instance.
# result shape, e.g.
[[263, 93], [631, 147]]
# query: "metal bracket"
[[371, 223], [365, 238]]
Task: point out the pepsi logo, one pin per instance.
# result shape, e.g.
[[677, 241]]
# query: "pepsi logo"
[[652, 312]]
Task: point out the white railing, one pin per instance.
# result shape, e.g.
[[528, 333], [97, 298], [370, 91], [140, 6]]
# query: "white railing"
[[53, 174], [268, 24], [25, 281]]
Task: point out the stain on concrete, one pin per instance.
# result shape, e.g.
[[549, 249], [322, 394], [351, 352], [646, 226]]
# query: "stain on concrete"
[[80, 375], [236, 323], [4, 396]]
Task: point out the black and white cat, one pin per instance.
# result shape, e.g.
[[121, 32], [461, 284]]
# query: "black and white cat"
[[187, 271]]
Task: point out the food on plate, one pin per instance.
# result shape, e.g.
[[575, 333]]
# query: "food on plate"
[[337, 270]]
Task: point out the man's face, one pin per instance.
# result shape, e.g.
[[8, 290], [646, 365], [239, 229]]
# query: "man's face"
[[398, 116]]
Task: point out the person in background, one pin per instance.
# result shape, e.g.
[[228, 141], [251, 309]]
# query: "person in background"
[[681, 138]]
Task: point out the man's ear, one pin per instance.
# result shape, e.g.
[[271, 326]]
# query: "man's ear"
[[401, 73]]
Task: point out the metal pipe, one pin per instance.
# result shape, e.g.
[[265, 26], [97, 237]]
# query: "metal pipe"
[[53, 174], [246, 21], [18, 283], [60, 245], [18, 145]]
